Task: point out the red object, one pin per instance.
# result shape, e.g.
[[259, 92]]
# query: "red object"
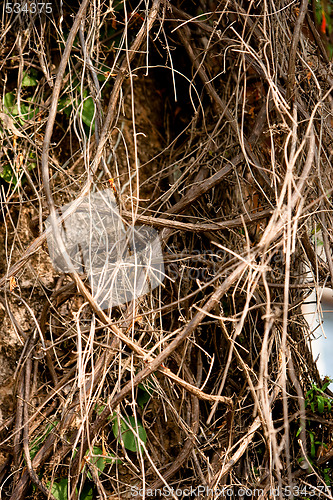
[[323, 23]]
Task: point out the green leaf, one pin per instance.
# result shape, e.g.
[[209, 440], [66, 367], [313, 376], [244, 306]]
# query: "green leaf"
[[88, 112], [28, 112], [118, 5], [8, 102], [99, 460], [86, 108], [129, 439], [309, 394], [7, 174], [327, 383], [59, 489], [99, 408], [39, 440], [65, 105], [144, 395], [25, 114], [202, 16], [87, 492], [28, 80], [327, 476], [313, 448], [321, 404], [103, 72]]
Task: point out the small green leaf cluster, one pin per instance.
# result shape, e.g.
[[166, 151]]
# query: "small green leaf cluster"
[[317, 401], [127, 430], [85, 108], [19, 115], [316, 398], [98, 460]]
